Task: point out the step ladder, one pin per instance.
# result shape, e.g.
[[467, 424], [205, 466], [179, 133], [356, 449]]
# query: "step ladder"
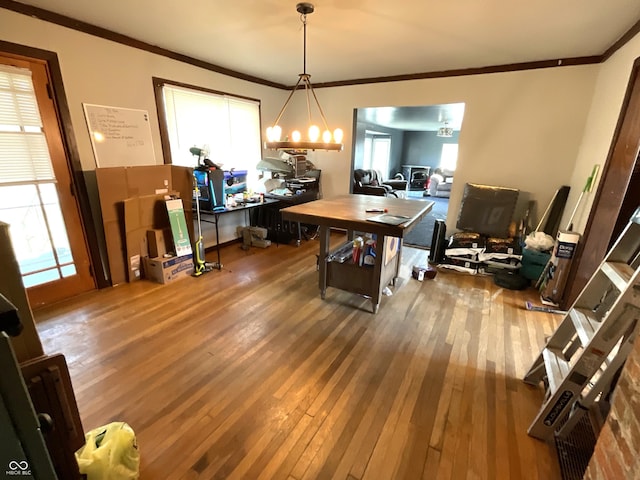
[[584, 355]]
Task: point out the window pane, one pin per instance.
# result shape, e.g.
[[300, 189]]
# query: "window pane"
[[380, 155], [55, 221], [20, 207], [40, 278], [228, 127], [68, 270], [449, 156]]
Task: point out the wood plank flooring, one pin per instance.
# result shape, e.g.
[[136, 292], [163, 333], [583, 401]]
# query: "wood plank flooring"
[[246, 373]]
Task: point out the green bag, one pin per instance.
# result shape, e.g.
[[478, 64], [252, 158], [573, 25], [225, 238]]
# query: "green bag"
[[110, 453]]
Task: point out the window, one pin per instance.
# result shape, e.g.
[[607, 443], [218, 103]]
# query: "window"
[[226, 126], [377, 150], [449, 156]]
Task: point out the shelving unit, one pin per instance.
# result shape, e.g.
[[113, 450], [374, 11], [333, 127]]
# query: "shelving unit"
[[363, 279]]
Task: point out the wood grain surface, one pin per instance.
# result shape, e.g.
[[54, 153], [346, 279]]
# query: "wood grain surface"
[[247, 373]]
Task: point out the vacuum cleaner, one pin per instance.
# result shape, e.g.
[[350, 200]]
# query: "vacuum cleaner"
[[200, 264]]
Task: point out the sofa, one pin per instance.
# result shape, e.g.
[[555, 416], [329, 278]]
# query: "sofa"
[[370, 182], [440, 183]]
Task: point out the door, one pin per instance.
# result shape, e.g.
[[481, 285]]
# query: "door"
[[36, 189]]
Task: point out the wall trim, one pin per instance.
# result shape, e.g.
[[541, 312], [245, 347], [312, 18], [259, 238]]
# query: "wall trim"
[[62, 20]]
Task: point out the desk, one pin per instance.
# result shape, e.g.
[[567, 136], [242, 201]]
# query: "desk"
[[245, 207], [279, 231], [349, 212]]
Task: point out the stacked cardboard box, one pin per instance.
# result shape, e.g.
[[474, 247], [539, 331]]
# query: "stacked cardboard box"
[[129, 206]]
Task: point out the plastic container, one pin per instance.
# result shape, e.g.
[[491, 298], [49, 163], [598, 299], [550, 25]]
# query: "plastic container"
[[533, 263]]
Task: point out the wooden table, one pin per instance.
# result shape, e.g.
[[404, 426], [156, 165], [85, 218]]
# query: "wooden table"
[[348, 212]]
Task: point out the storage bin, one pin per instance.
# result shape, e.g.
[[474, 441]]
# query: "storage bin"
[[533, 263]]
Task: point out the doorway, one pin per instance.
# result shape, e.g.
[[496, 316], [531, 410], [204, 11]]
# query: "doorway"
[[38, 197], [421, 145]]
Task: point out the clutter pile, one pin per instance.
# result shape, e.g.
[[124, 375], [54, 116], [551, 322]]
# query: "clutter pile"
[[473, 253]]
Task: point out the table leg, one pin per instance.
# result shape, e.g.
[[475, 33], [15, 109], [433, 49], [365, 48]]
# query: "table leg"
[[217, 265], [375, 306], [376, 294], [322, 260]]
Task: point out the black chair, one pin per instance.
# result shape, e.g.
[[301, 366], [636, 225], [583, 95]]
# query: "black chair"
[[369, 182]]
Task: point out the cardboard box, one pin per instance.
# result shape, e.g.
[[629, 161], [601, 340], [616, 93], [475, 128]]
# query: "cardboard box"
[[179, 229], [166, 270], [158, 242], [115, 184], [141, 213]]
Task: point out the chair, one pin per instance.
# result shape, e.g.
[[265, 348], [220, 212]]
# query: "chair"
[[440, 183], [369, 182]]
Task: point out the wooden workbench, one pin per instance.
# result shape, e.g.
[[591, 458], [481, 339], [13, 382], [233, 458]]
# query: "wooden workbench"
[[349, 212]]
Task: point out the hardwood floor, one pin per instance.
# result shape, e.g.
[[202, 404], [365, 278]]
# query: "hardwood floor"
[[247, 373]]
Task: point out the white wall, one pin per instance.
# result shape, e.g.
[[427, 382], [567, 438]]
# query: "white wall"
[[101, 72], [522, 129], [611, 86]]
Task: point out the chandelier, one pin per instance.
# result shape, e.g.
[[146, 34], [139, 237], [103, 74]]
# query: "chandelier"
[[314, 141], [445, 131]]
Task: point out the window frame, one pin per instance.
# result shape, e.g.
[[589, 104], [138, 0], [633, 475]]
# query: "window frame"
[[159, 83]]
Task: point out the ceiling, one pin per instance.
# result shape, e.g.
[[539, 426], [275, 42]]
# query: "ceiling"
[[364, 39], [423, 118], [356, 39]]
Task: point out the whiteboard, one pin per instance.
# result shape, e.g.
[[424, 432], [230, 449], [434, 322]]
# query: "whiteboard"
[[120, 137]]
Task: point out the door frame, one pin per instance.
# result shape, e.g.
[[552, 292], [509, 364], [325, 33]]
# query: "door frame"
[[615, 198], [98, 266]]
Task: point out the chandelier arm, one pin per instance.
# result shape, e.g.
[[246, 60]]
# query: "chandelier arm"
[[324, 120], [284, 107], [306, 92]]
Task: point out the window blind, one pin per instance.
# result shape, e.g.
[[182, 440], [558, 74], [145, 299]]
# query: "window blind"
[[24, 156], [228, 127]]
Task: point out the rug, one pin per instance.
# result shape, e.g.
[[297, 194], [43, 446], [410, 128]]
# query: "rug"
[[422, 234]]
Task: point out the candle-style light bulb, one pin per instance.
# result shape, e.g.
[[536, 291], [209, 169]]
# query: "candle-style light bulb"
[[326, 136], [295, 136], [274, 133], [314, 133], [338, 135]]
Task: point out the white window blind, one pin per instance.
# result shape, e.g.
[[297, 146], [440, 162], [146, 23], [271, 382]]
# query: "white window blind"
[[226, 126], [24, 156]]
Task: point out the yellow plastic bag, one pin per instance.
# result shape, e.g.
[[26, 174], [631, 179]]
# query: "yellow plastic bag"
[[110, 453]]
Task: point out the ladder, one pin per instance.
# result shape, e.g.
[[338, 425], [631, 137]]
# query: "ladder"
[[581, 359]]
